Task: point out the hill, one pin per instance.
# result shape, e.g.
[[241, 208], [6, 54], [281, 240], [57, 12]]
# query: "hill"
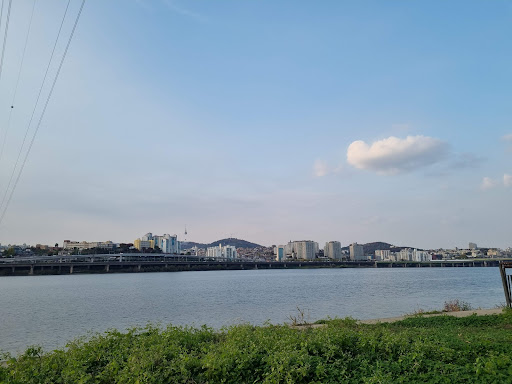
[[238, 243]]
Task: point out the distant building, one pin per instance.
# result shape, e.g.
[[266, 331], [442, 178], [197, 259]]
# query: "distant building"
[[221, 252], [81, 245], [409, 254], [405, 254], [472, 246], [280, 252], [356, 252], [493, 252], [421, 256], [382, 254], [143, 244], [332, 250], [305, 249], [166, 243]]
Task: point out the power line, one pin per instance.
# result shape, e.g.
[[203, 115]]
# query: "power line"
[[44, 109], [2, 14], [5, 36], [1, 19], [17, 83], [35, 106]]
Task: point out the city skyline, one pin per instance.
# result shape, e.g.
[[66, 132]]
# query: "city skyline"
[[266, 121]]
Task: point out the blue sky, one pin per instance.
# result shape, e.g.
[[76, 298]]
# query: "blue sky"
[[265, 120]]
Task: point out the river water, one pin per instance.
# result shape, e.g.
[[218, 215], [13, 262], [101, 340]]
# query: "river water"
[[51, 310]]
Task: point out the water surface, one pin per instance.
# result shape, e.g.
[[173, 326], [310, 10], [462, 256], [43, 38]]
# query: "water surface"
[[51, 310]]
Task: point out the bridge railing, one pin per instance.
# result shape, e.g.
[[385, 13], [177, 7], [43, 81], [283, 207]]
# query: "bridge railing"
[[506, 279]]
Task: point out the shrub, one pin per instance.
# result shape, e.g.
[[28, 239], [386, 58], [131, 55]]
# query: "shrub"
[[456, 306]]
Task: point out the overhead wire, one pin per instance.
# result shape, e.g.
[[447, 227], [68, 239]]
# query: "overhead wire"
[[17, 83], [46, 103], [2, 14], [35, 106], [5, 37], [1, 19]]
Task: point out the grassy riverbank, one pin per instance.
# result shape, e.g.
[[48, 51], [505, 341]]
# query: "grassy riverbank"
[[440, 349]]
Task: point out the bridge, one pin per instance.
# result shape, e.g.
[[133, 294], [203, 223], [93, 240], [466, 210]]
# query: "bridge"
[[144, 262]]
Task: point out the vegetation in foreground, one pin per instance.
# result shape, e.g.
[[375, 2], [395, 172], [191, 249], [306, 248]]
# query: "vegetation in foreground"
[[442, 349]]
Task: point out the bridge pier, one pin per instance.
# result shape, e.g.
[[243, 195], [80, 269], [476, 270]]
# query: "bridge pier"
[[107, 267], [139, 267], [71, 269], [31, 272]]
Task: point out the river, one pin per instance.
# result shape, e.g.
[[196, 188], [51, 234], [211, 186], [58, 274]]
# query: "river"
[[51, 310]]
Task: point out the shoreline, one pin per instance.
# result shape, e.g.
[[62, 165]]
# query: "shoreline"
[[478, 312], [474, 349]]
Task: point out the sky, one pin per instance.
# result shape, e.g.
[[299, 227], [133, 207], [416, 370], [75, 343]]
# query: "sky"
[[270, 121]]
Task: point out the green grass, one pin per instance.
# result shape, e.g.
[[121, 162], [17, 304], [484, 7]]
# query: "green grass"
[[443, 349]]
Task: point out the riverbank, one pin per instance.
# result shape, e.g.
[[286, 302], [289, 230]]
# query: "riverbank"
[[472, 312], [415, 349]]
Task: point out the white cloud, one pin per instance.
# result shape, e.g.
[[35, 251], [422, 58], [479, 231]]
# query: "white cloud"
[[394, 155], [320, 168], [488, 183], [507, 137], [507, 180]]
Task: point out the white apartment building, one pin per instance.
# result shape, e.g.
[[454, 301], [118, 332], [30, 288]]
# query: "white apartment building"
[[288, 251], [382, 254], [332, 250], [167, 243], [421, 256], [356, 252], [409, 254], [302, 250], [107, 245], [405, 254], [221, 252], [305, 249]]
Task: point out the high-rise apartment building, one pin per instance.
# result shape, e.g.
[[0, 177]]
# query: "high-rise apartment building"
[[167, 243], [305, 249], [357, 252], [221, 252], [332, 250], [382, 254]]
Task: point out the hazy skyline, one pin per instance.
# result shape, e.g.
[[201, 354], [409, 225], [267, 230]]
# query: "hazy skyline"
[[268, 121]]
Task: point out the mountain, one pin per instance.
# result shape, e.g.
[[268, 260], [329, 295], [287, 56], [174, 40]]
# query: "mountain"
[[370, 248], [238, 243]]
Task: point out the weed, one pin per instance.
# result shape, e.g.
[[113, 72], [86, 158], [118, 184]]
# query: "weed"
[[439, 349], [301, 318], [456, 306]]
